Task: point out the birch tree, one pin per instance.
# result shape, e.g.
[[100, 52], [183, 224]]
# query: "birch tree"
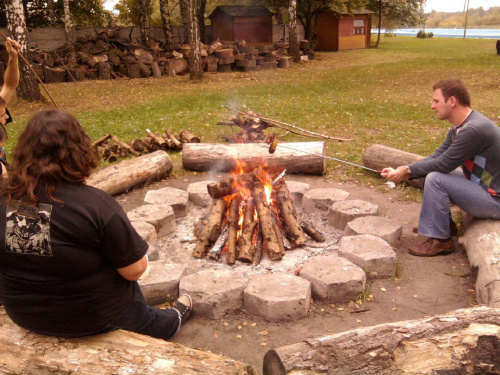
[[28, 88], [144, 20], [67, 22], [292, 30], [166, 23], [193, 31]]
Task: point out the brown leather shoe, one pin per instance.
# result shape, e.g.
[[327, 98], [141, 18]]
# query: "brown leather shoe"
[[432, 247]]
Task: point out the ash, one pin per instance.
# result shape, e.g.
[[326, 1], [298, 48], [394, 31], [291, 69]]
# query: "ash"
[[178, 248]]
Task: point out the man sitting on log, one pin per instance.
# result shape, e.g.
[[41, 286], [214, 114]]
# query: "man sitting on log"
[[10, 82], [473, 142]]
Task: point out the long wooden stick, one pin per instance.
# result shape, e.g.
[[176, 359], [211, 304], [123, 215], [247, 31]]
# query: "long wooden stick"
[[285, 126], [34, 73]]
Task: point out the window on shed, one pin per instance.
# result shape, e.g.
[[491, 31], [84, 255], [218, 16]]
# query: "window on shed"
[[359, 26]]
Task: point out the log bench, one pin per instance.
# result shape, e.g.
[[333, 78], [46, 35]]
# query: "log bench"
[[117, 352]]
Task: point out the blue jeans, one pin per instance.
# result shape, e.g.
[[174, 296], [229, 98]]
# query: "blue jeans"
[[141, 318], [440, 189]]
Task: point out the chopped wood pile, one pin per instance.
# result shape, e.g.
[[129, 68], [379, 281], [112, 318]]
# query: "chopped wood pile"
[[110, 148], [251, 214], [108, 55]]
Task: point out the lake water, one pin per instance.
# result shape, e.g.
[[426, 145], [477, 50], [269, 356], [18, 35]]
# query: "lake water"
[[448, 33]]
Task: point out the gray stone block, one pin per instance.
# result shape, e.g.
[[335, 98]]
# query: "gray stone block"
[[214, 292], [334, 279], [345, 211], [198, 193], [176, 198], [162, 282], [383, 227], [161, 216], [146, 230], [278, 297], [374, 255], [322, 199], [297, 191]]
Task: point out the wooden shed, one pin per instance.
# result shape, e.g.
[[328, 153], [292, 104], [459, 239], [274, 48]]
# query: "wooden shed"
[[253, 24], [337, 31]]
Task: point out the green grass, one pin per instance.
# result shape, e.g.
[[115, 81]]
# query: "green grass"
[[378, 95]]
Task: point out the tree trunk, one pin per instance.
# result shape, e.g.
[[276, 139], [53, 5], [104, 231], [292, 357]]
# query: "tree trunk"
[[222, 157], [125, 175], [52, 15], [465, 341], [201, 6], [195, 69], [379, 157], [292, 31], [28, 88], [184, 9], [117, 352], [167, 24], [67, 22], [144, 20], [379, 22]]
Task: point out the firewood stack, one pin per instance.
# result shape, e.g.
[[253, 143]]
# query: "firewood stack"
[[253, 128], [108, 55], [250, 215], [110, 147]]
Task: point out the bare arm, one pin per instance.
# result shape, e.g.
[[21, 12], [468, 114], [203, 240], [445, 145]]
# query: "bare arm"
[[135, 270], [11, 77]]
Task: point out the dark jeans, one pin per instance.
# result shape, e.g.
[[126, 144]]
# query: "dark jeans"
[[141, 318]]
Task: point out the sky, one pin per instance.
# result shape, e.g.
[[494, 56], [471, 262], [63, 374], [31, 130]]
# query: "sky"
[[457, 5]]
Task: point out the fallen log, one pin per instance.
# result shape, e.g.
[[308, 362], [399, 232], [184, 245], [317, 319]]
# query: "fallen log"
[[222, 157], [158, 139], [212, 229], [312, 232], [465, 341], [117, 352], [127, 174], [378, 157], [138, 145], [101, 140], [175, 142]]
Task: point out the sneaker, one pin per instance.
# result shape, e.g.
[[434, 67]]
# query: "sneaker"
[[432, 247], [183, 305]]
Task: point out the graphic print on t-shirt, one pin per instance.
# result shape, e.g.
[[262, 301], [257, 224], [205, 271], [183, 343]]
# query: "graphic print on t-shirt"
[[28, 229]]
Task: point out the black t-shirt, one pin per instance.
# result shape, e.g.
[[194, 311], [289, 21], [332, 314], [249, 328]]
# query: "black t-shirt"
[[58, 261]]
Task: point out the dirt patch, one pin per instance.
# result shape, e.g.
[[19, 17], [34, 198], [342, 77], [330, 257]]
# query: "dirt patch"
[[423, 287]]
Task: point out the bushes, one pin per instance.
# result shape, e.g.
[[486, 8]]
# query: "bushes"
[[422, 34]]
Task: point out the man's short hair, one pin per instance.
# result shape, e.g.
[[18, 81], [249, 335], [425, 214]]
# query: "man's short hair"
[[454, 87]]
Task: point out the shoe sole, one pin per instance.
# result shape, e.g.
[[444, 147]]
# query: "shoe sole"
[[443, 252]]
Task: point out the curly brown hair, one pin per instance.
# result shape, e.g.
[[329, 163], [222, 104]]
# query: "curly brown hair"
[[53, 148], [453, 87]]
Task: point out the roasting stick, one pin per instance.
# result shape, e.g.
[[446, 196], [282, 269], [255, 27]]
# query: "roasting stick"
[[274, 144], [34, 73]]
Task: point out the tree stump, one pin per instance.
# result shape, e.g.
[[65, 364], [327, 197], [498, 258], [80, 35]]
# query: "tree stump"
[[54, 75], [344, 211], [104, 70]]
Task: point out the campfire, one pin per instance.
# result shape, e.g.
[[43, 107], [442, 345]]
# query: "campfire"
[[252, 214]]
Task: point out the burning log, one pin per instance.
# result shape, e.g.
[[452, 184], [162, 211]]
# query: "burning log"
[[298, 158], [188, 137], [259, 246], [245, 242], [268, 229], [229, 186], [215, 251], [203, 220], [289, 216], [312, 232], [212, 230], [175, 142], [232, 221]]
